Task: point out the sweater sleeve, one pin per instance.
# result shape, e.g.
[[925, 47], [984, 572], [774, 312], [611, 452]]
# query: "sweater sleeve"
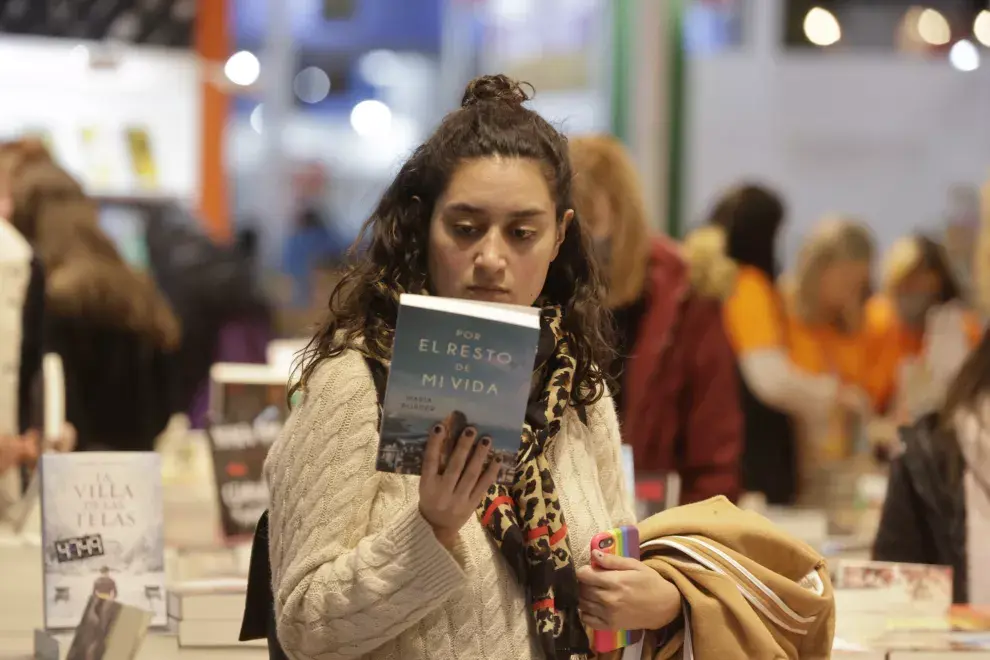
[[604, 424], [342, 588], [775, 380]]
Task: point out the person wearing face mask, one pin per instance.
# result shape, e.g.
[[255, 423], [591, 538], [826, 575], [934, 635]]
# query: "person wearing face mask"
[[920, 327], [678, 399]]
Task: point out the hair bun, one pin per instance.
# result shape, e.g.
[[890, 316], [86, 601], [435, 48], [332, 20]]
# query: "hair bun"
[[498, 88]]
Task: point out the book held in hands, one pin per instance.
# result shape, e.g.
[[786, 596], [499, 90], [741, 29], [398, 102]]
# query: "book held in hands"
[[458, 363], [102, 533]]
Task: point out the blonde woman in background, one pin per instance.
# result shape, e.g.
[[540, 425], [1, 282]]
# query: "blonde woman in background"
[[826, 297], [921, 327], [678, 397]]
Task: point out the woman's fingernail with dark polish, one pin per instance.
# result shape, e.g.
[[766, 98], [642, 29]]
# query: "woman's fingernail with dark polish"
[[485, 441], [438, 429], [470, 433]]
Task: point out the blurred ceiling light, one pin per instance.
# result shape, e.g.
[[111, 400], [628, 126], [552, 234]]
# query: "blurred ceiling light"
[[371, 118], [981, 27], [243, 68], [964, 56], [381, 68], [256, 119], [311, 85], [821, 27], [933, 28]]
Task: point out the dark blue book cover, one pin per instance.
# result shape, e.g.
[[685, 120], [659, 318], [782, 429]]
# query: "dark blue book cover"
[[457, 363]]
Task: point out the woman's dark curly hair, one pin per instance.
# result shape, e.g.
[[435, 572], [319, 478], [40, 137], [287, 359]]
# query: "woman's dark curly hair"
[[492, 121]]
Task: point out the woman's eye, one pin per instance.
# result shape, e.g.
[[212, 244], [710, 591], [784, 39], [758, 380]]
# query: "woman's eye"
[[466, 230], [523, 234]]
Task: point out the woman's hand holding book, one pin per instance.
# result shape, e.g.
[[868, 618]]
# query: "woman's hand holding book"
[[448, 499]]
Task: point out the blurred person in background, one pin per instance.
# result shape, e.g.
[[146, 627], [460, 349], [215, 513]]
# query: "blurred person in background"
[[773, 388], [219, 300], [22, 306], [826, 298], [112, 328], [316, 240], [921, 327], [21, 317], [937, 509], [678, 397]]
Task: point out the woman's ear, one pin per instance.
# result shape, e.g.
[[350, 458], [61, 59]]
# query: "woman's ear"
[[562, 227]]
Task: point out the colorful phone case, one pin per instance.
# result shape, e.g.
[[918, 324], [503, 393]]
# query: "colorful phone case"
[[624, 542]]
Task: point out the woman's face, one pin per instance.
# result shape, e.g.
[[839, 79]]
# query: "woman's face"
[[493, 233], [844, 286]]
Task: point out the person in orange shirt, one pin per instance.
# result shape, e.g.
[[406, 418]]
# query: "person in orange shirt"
[[773, 389], [826, 299], [919, 328]]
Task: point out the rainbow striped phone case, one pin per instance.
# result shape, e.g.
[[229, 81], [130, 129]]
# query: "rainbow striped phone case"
[[624, 542]]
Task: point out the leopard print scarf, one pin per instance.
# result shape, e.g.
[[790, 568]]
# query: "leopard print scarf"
[[526, 520]]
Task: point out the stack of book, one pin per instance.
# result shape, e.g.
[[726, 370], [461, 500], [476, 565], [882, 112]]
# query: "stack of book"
[[875, 598], [21, 606], [208, 613]]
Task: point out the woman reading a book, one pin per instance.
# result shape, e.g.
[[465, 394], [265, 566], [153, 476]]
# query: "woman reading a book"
[[367, 564]]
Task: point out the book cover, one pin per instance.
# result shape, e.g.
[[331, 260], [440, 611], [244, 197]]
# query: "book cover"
[[247, 411], [108, 630], [459, 363], [102, 533]]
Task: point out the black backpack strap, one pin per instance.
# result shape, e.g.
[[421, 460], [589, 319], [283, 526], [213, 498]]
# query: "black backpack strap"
[[582, 413], [259, 603]]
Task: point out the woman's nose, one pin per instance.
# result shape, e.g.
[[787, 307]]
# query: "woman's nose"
[[491, 252]]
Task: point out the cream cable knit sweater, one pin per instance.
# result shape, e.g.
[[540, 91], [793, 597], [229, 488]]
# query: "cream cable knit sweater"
[[357, 571]]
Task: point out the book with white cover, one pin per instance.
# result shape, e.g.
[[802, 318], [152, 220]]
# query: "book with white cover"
[[102, 533]]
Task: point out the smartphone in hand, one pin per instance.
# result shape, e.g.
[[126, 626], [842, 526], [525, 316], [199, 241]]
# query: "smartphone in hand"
[[623, 542]]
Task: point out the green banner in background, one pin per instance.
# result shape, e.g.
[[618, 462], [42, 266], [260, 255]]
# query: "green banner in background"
[[623, 45], [624, 53], [677, 100]]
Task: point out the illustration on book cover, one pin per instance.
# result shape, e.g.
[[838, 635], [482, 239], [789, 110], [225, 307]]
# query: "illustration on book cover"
[[455, 370], [102, 526]]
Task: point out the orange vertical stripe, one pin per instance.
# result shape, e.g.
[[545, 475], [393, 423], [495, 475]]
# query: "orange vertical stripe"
[[213, 48]]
